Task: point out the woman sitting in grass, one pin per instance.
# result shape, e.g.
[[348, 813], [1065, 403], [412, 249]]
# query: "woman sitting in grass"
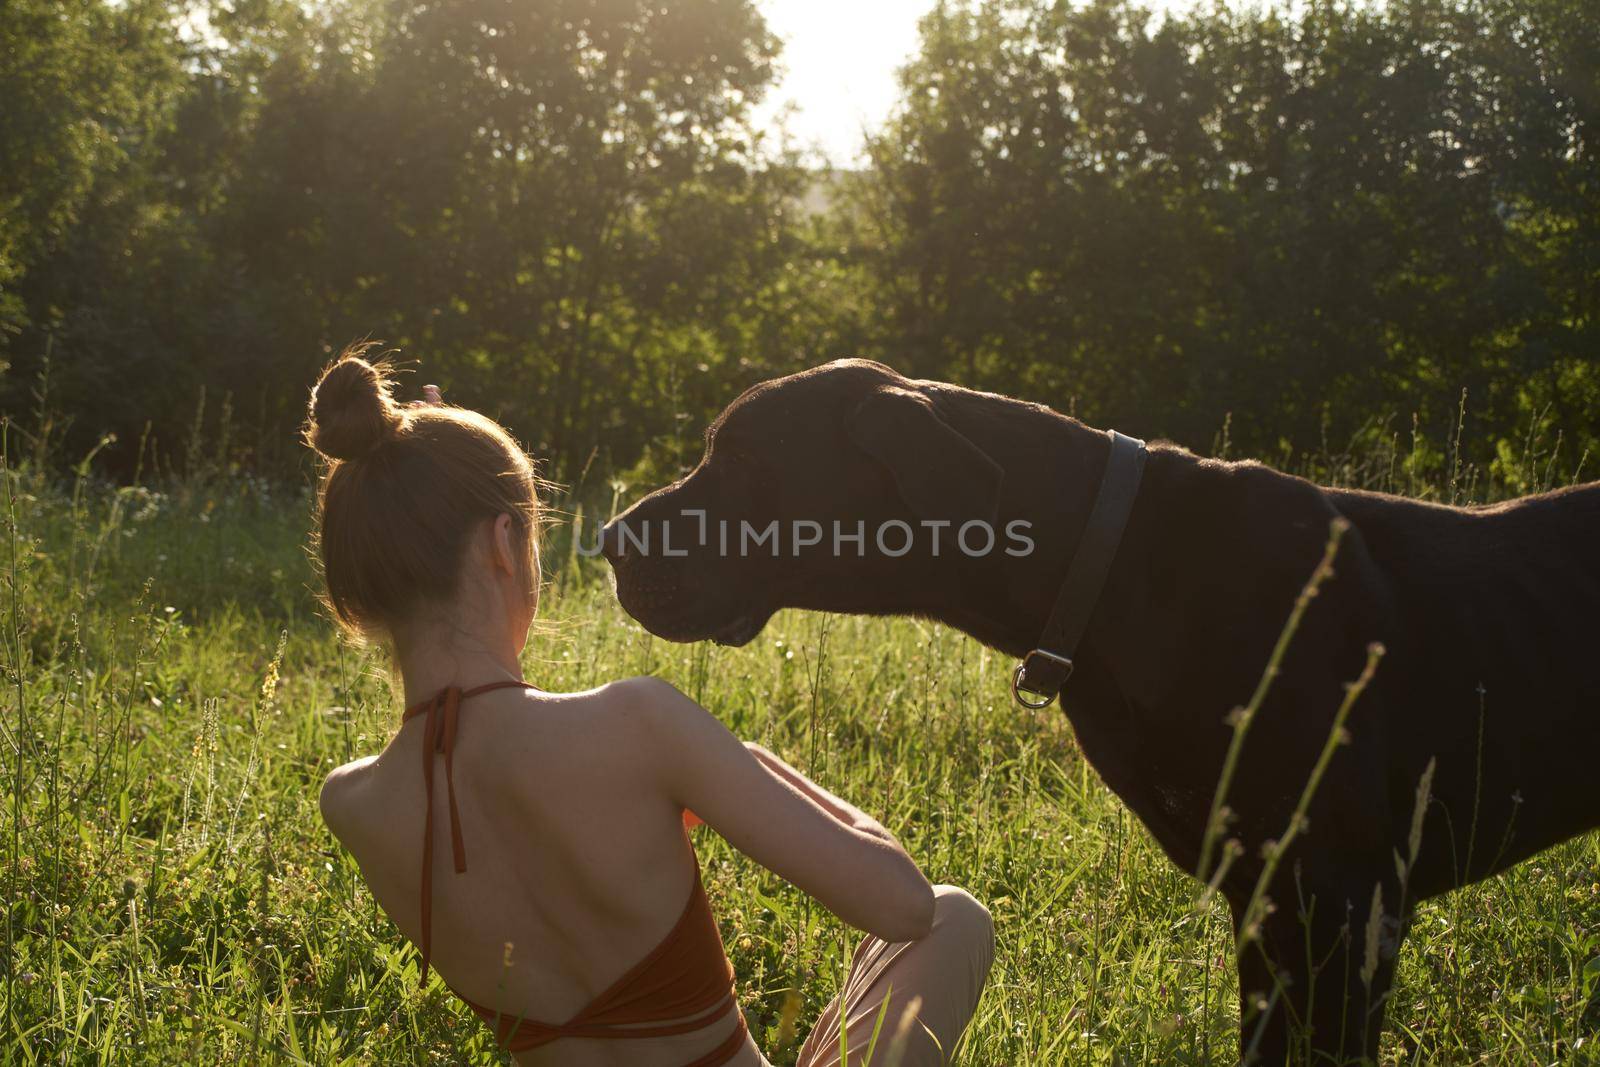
[[533, 844]]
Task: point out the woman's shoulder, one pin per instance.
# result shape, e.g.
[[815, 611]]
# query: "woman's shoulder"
[[625, 726], [603, 752], [343, 793], [653, 711], [580, 724], [625, 700]]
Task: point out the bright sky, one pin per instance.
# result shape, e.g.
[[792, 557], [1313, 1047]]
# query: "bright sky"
[[841, 57]]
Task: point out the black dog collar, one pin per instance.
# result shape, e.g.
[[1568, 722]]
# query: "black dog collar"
[[1047, 668]]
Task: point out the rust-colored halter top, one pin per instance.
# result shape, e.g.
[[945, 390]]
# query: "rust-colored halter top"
[[684, 984]]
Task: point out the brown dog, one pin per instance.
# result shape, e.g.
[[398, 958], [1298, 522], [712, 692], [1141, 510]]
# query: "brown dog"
[[1489, 616]]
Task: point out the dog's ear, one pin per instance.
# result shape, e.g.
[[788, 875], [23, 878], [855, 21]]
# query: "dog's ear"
[[940, 474]]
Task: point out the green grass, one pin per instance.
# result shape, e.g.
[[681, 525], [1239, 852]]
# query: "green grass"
[[172, 701]]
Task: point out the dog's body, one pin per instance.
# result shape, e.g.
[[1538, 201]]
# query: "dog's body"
[[1489, 618]]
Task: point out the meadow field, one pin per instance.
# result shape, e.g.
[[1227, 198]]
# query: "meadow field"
[[1300, 231], [173, 699]]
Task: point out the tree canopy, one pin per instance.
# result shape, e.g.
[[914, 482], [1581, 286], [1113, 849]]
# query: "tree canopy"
[[1303, 222], [1360, 210]]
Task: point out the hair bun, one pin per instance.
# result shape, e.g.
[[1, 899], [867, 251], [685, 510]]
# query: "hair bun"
[[352, 409]]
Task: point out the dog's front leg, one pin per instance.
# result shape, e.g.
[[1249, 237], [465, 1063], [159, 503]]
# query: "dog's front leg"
[[1314, 978]]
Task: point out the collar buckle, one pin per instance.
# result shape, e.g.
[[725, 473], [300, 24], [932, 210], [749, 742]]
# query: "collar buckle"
[[1040, 674]]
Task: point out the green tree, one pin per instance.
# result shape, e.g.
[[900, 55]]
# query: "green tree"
[[1302, 220], [562, 207], [83, 84]]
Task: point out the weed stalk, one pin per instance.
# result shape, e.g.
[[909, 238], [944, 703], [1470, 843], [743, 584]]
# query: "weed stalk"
[[1216, 821]]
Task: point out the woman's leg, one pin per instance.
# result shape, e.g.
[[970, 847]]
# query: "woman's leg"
[[942, 975]]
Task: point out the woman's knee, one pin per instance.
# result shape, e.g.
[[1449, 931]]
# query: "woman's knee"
[[959, 914]]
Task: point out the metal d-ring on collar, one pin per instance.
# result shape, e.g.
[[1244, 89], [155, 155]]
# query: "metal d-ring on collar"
[[1046, 669]]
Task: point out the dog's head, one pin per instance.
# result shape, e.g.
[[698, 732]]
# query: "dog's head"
[[793, 470]]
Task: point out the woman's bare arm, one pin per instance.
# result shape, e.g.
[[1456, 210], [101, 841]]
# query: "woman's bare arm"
[[840, 809], [781, 819]]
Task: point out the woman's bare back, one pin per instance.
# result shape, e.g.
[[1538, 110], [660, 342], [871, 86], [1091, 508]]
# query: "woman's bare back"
[[577, 864]]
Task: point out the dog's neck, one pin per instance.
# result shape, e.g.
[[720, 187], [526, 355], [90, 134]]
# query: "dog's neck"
[[1052, 468], [1054, 465]]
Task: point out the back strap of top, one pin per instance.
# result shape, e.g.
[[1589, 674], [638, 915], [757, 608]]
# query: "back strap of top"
[[522, 1037], [439, 737]]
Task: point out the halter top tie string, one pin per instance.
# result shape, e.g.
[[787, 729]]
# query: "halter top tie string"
[[439, 736]]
